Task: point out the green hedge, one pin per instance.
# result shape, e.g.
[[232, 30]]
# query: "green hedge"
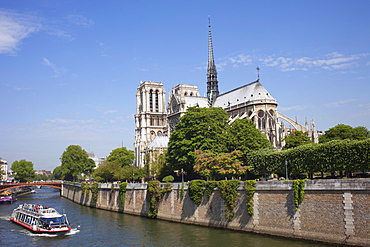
[[334, 156]]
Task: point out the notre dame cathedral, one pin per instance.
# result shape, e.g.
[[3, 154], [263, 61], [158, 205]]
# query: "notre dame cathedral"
[[155, 120]]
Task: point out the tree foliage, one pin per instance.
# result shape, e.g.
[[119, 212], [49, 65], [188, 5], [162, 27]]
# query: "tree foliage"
[[342, 132], [110, 172], [75, 161], [23, 170], [121, 156], [295, 139], [198, 129], [209, 164], [244, 136]]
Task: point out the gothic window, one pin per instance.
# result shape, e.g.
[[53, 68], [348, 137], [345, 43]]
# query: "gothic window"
[[261, 113], [156, 101], [151, 100]]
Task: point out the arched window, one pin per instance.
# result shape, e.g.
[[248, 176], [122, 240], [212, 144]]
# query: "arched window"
[[157, 101], [151, 100]]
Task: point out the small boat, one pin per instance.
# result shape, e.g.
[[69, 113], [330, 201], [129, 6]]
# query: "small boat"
[[7, 197], [41, 219]]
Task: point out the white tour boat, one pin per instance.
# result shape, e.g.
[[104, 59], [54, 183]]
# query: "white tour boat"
[[39, 218]]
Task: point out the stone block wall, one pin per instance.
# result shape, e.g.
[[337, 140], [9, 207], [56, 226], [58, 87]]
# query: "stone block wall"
[[335, 211]]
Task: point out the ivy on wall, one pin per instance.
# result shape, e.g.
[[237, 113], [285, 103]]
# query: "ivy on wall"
[[298, 192], [229, 193], [94, 191], [85, 188], [122, 193], [74, 186], [196, 190], [210, 186], [155, 194], [250, 186]]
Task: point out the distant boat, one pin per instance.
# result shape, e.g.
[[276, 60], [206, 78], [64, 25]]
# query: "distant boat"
[[7, 197], [33, 191], [42, 219]]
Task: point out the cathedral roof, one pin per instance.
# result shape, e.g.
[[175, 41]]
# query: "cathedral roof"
[[251, 93], [160, 141], [196, 101]]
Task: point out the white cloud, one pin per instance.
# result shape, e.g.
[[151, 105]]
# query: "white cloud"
[[80, 20], [331, 61], [14, 28], [340, 103], [110, 111], [57, 71]]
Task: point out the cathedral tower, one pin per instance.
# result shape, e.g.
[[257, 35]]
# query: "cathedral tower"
[[150, 117], [212, 83]]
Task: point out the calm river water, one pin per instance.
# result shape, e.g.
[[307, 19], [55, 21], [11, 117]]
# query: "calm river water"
[[94, 227]]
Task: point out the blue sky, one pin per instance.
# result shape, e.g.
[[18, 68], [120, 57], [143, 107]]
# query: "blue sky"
[[70, 69]]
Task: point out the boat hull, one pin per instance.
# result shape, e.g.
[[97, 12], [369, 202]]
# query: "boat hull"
[[40, 230]]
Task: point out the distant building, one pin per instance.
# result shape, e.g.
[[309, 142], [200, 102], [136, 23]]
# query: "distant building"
[[44, 172], [4, 169], [98, 161], [251, 101]]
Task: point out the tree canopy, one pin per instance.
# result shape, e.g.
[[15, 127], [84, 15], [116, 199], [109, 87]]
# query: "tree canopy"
[[75, 161], [121, 156], [342, 132], [244, 136], [23, 170], [295, 139], [198, 129]]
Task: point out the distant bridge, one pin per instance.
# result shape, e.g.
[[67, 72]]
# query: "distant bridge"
[[52, 184]]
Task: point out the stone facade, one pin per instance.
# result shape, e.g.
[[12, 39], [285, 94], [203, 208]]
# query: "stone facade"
[[334, 211]]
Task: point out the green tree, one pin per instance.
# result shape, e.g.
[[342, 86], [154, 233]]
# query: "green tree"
[[58, 173], [121, 156], [75, 161], [295, 139], [199, 129], [244, 136], [342, 132], [132, 173], [106, 172], [209, 164], [23, 170]]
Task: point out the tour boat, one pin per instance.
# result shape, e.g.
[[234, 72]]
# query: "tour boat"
[[38, 218], [7, 197]]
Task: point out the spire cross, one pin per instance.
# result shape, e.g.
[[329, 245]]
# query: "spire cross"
[[258, 72]]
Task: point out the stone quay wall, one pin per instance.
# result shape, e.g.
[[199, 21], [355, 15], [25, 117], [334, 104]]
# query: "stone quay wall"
[[333, 211]]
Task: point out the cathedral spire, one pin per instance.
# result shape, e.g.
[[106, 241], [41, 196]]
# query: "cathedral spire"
[[212, 83]]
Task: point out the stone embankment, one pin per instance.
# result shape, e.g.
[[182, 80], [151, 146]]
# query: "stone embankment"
[[333, 211]]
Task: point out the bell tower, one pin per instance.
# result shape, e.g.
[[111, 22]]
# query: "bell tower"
[[150, 117]]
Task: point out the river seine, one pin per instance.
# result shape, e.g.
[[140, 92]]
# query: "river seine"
[[94, 227]]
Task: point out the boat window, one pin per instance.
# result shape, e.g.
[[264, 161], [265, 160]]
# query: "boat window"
[[55, 220]]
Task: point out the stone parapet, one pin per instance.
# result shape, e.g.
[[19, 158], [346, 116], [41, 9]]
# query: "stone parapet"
[[334, 211]]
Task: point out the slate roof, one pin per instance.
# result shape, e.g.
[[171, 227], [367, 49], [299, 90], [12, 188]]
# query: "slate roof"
[[196, 101], [249, 93]]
